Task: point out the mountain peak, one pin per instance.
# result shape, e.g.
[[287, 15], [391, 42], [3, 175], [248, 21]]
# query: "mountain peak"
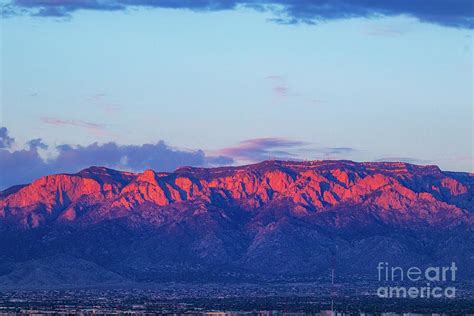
[[147, 176], [272, 217], [308, 186]]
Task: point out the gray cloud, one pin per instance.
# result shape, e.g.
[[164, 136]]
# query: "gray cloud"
[[403, 159], [36, 143], [452, 13], [5, 140], [258, 149], [336, 150], [25, 165]]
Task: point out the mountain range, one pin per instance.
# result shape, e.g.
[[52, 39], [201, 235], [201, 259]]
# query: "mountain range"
[[275, 220]]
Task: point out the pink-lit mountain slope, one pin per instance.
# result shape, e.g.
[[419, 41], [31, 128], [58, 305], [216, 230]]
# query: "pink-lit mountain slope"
[[276, 217]]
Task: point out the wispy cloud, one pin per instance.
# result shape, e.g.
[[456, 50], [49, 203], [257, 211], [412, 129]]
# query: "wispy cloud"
[[279, 86], [79, 123], [280, 90], [457, 13], [96, 129], [403, 159], [336, 150], [259, 149]]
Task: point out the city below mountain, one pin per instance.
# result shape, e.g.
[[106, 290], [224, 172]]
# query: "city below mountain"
[[275, 220]]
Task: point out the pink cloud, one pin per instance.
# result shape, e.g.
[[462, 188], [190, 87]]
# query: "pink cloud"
[[96, 129], [259, 149], [280, 88]]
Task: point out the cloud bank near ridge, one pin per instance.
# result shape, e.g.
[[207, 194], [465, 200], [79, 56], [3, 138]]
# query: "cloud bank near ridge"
[[21, 166]]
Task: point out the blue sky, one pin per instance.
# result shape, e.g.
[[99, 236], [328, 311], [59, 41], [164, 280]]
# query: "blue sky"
[[233, 86]]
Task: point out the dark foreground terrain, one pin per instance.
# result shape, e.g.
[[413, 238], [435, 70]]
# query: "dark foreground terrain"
[[216, 300]]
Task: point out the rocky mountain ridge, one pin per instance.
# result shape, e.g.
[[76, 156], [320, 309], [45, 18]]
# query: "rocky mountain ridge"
[[283, 218], [311, 187]]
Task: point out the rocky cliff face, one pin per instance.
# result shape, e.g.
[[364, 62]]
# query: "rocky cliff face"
[[275, 217]]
